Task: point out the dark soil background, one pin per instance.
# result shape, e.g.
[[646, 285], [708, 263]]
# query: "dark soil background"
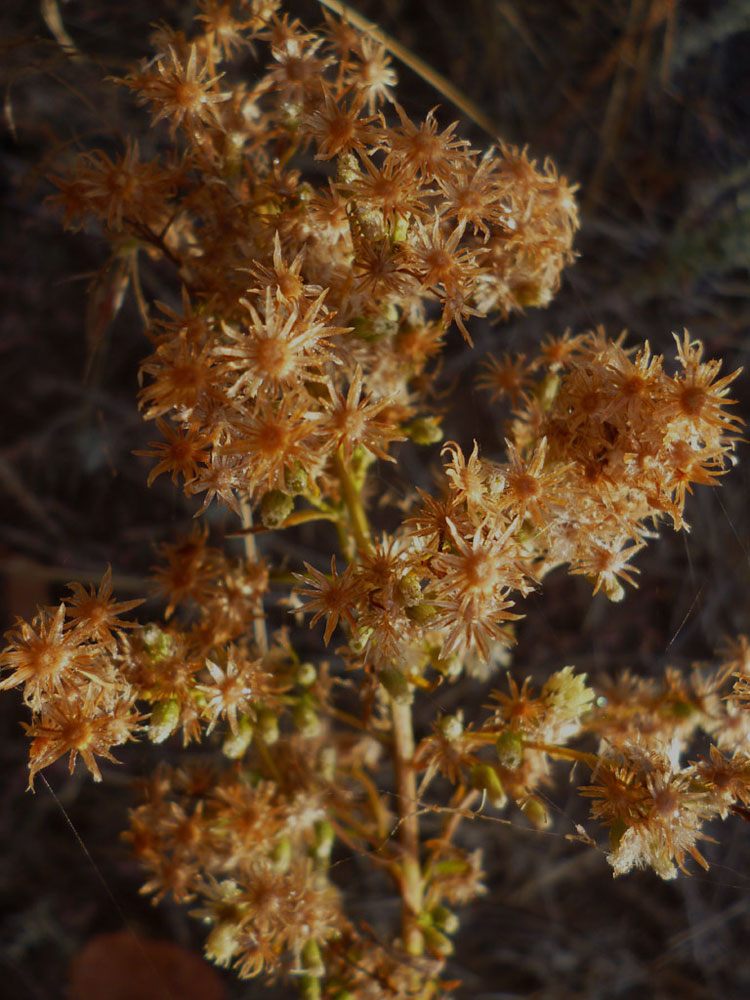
[[644, 103]]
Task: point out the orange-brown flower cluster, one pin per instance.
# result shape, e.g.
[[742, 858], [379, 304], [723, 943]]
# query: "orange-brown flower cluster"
[[246, 851], [653, 800], [322, 244], [307, 293], [613, 445], [68, 661]]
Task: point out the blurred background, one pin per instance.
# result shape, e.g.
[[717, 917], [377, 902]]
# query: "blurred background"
[[646, 105]]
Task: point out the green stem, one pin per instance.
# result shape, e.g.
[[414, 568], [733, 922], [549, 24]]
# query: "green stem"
[[353, 502], [269, 761], [410, 873], [564, 753], [251, 552], [310, 987], [406, 802]]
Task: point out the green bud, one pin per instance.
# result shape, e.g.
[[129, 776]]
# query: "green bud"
[[536, 813], [485, 779], [306, 719], [400, 229], [291, 115], [410, 589], [445, 919], [234, 142], [296, 479], [420, 614], [165, 716], [509, 750], [396, 685], [235, 744], [359, 641], [373, 328], [449, 666], [682, 709], [323, 841], [425, 430], [547, 390], [436, 942], [268, 726], [531, 293], [281, 854], [275, 508], [452, 867], [159, 645], [370, 221], [305, 192], [306, 675], [613, 589]]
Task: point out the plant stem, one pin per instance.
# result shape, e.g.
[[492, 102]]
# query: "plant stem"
[[565, 753], [251, 552], [410, 873], [408, 830], [351, 497]]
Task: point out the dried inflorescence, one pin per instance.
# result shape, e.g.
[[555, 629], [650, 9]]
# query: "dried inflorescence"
[[322, 244]]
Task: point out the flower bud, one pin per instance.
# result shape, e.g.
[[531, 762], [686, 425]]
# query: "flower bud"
[[296, 479], [420, 614], [451, 727], [281, 854], [323, 842], [235, 744], [159, 645], [613, 589], [449, 666], [495, 483], [531, 293], [485, 779], [290, 115], [306, 719], [436, 942], [410, 589], [275, 508], [425, 430], [509, 749], [396, 684], [536, 813], [165, 717], [347, 168], [445, 919], [306, 675], [268, 726], [547, 390], [358, 642], [399, 228]]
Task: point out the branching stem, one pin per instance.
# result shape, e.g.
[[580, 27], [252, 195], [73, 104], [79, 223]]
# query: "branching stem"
[[410, 873]]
